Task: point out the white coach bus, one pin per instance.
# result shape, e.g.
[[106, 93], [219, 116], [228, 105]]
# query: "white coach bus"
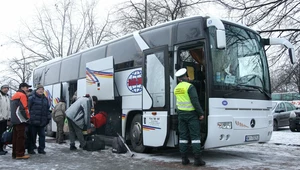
[[133, 78]]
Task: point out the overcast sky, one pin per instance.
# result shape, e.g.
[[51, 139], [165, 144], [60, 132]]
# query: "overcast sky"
[[14, 12]]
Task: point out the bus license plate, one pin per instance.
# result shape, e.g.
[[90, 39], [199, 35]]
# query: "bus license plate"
[[249, 138]]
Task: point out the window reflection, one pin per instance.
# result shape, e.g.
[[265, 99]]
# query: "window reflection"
[[242, 63]]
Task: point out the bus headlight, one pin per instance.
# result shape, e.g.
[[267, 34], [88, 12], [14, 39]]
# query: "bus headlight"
[[225, 125]]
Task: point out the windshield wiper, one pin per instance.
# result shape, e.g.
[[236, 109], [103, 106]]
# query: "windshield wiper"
[[237, 89], [259, 89], [252, 76]]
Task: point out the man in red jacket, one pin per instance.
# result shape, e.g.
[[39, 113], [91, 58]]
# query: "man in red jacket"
[[19, 117]]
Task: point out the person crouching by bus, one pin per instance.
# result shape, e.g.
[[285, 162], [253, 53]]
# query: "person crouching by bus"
[[189, 113], [19, 117], [39, 118], [59, 115], [79, 115]]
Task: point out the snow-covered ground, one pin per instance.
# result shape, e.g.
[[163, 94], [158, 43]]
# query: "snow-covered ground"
[[281, 152]]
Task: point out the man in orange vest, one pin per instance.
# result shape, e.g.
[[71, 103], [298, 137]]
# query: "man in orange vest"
[[189, 114], [19, 117]]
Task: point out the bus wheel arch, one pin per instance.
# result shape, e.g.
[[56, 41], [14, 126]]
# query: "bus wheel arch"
[[134, 128]]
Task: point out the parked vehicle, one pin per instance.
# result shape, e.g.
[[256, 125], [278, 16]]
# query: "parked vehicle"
[[281, 111], [295, 121]]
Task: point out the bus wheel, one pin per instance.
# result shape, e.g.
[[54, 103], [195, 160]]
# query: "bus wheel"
[[275, 125], [136, 136]]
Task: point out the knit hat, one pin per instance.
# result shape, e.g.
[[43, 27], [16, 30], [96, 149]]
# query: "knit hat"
[[39, 86], [4, 86]]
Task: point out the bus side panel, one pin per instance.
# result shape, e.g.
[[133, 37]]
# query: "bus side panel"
[[155, 128], [129, 103], [129, 82]]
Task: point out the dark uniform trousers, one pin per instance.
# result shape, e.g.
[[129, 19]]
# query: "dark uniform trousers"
[[189, 128], [18, 142], [3, 125]]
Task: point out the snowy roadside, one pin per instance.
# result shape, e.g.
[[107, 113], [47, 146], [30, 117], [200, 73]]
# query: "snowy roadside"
[[281, 152]]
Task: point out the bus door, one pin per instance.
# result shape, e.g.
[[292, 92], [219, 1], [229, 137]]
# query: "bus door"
[[192, 56], [65, 93], [72, 91], [56, 96], [48, 92], [156, 96]]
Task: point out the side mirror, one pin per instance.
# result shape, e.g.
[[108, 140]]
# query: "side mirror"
[[221, 39], [282, 41], [292, 55], [220, 31]]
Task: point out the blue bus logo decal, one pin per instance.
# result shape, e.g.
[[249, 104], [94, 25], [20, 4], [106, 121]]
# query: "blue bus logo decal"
[[224, 103]]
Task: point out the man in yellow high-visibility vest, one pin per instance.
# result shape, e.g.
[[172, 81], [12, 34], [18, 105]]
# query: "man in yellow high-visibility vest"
[[189, 114]]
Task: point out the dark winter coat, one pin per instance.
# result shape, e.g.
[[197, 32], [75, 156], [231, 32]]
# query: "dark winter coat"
[[19, 108], [39, 110]]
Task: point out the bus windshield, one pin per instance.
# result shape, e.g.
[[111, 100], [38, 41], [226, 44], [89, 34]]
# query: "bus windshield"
[[242, 65]]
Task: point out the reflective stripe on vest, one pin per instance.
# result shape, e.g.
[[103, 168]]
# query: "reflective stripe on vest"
[[183, 100]]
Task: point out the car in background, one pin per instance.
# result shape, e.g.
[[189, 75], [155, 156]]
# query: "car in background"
[[295, 120], [296, 103], [281, 111]]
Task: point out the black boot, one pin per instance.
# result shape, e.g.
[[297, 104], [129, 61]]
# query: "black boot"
[[72, 147], [185, 159], [198, 160]]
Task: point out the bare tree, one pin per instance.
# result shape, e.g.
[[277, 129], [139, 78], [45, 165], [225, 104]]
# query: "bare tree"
[[61, 30], [272, 18], [18, 70], [287, 79], [134, 16], [56, 31]]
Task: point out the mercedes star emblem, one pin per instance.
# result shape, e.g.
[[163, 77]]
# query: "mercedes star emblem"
[[252, 123]]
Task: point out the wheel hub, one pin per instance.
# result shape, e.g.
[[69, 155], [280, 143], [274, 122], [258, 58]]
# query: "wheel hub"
[[136, 132]]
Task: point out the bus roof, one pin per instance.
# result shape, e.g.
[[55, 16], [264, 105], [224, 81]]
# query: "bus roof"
[[131, 34]]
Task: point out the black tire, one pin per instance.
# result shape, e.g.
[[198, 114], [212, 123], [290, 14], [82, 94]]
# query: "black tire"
[[293, 129], [136, 136], [275, 125]]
